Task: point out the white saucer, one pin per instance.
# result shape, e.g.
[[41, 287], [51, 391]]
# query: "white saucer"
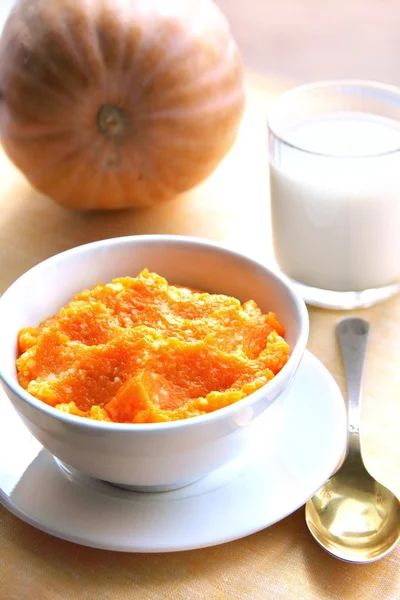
[[234, 501]]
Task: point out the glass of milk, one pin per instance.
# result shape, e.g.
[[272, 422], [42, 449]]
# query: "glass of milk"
[[335, 191]]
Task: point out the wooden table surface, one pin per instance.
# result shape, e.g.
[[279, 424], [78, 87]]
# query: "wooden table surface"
[[278, 563]]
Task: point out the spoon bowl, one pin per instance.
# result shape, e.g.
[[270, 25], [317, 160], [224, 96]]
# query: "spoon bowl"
[[353, 516], [357, 523]]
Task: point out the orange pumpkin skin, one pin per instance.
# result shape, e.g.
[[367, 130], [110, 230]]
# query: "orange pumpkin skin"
[[113, 103]]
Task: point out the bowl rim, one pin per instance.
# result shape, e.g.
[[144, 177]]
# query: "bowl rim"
[[214, 416]]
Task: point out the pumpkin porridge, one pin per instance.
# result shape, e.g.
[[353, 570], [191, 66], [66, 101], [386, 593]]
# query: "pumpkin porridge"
[[138, 350]]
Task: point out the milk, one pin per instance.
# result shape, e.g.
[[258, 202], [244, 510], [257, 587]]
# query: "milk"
[[335, 208]]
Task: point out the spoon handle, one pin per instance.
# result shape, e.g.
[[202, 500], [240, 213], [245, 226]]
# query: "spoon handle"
[[353, 336]]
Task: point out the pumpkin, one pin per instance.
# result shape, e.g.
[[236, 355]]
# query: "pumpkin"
[[113, 103]]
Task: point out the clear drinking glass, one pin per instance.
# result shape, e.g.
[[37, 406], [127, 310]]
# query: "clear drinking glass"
[[335, 191]]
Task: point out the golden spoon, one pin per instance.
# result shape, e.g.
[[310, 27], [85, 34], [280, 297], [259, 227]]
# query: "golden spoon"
[[352, 516]]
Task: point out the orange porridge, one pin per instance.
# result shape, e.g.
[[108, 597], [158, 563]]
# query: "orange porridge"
[[138, 350]]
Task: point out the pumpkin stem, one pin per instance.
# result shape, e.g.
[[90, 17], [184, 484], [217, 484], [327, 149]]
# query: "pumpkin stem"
[[112, 121]]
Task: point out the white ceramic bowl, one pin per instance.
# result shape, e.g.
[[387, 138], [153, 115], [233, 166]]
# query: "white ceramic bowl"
[[157, 456]]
